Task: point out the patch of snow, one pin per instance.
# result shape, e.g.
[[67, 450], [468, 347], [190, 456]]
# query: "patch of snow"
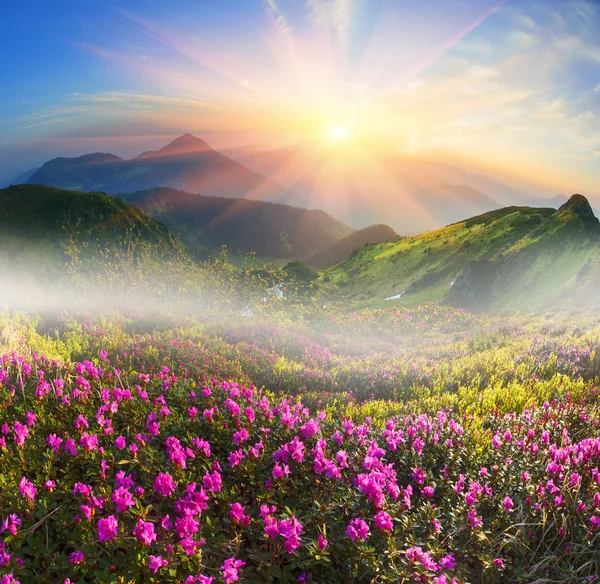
[[396, 296]]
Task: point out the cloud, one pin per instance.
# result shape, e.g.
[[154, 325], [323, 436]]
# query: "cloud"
[[140, 100], [525, 21], [334, 13], [277, 15]]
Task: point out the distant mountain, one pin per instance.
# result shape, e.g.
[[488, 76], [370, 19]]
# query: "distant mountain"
[[36, 223], [343, 248], [372, 187], [515, 258], [187, 163], [268, 229], [19, 179]]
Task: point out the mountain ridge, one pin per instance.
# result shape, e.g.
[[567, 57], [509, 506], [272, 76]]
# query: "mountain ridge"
[[512, 258], [270, 230]]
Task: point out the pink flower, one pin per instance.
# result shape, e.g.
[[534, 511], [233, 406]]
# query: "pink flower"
[[164, 485], [123, 499], [499, 563], [322, 542], [27, 489], [280, 471], [77, 557], [237, 514], [230, 568], [419, 476], [155, 563], [357, 528], [507, 503], [448, 562], [212, 482], [383, 521], [235, 458], [50, 485], [144, 532], [108, 528]]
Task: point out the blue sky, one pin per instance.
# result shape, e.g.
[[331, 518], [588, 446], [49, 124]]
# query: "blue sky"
[[512, 84]]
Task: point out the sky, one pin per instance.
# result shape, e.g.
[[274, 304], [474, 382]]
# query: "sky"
[[508, 86]]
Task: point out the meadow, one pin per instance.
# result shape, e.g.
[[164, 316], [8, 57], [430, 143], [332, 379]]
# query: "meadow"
[[428, 444]]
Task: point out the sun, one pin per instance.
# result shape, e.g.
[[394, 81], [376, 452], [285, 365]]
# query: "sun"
[[339, 133]]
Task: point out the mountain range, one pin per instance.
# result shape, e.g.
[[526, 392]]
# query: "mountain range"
[[187, 163], [363, 188]]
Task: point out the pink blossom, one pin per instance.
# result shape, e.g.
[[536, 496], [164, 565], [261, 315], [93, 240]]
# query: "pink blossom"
[[357, 528], [77, 557], [108, 528], [155, 563], [164, 485], [383, 521], [144, 532], [230, 569]]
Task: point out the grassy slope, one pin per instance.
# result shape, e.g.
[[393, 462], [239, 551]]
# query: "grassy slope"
[[342, 249], [35, 222], [534, 254]]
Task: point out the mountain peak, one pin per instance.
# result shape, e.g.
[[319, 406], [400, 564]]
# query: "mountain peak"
[[185, 144], [578, 205]]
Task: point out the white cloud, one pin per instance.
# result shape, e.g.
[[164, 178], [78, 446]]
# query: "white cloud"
[[335, 13], [277, 15]]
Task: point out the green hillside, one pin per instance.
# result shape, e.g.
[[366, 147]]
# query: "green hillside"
[[342, 249], [514, 258], [38, 222], [268, 229]]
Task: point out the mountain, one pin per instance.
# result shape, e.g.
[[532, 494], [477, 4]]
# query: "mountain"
[[36, 223], [343, 248], [515, 258], [369, 186], [19, 179], [187, 163], [268, 229]]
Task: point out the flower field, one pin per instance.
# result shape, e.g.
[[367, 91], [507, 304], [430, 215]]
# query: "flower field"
[[432, 445]]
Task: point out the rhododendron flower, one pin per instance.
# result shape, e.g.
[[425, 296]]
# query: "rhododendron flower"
[[357, 528], [419, 476], [123, 499], [448, 562], [237, 514], [27, 489], [164, 485], [108, 528], [21, 433], [155, 563], [383, 521], [322, 542], [230, 568], [212, 482], [280, 471], [50, 485], [144, 532], [499, 562], [77, 557], [427, 492], [235, 458], [290, 529], [507, 503]]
